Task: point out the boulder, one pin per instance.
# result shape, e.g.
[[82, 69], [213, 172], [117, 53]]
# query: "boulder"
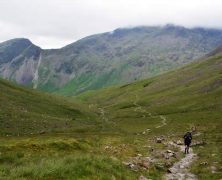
[[158, 140], [142, 178]]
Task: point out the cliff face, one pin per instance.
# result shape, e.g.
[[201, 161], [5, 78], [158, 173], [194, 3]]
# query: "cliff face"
[[18, 60]]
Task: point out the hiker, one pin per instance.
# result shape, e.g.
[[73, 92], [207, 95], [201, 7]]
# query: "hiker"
[[187, 141]]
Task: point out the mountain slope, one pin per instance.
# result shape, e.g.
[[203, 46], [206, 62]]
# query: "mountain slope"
[[189, 98], [19, 60], [117, 57], [24, 111], [123, 141], [201, 78]]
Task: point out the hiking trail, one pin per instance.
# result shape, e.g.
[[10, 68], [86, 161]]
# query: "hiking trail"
[[180, 170], [139, 108]]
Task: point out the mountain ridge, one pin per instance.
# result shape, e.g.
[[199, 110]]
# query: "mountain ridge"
[[118, 57]]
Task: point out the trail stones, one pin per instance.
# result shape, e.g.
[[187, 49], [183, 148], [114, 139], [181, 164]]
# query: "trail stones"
[[180, 169], [139, 163], [159, 166], [203, 163], [168, 154], [179, 142], [171, 153], [159, 139], [198, 143], [142, 178], [146, 131]]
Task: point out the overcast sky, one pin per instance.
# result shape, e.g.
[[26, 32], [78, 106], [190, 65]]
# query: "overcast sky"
[[55, 23]]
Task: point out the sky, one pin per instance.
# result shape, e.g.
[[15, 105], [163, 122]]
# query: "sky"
[[56, 23]]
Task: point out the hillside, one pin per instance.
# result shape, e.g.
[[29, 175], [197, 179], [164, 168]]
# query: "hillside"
[[114, 135], [27, 112], [199, 79], [171, 104], [101, 60]]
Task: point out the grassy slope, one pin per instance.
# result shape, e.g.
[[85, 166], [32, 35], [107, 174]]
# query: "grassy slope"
[[72, 146], [188, 97], [24, 111]]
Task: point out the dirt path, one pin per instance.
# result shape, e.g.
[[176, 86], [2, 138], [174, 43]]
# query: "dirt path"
[[163, 122], [180, 170], [139, 108]]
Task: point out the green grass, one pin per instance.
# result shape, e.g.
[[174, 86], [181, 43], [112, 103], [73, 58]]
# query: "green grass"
[[76, 135], [67, 157], [24, 111], [188, 97]]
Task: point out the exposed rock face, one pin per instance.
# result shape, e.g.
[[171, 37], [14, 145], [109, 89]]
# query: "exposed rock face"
[[123, 56], [18, 60]]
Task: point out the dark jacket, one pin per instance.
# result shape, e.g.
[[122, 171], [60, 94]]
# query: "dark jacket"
[[187, 138]]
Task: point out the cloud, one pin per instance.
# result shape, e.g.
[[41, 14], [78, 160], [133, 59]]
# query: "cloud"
[[54, 23]]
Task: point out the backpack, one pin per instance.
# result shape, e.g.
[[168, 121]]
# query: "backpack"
[[188, 136]]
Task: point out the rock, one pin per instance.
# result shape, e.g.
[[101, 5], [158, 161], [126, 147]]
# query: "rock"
[[169, 170], [179, 142], [145, 164], [159, 166], [168, 164], [181, 167], [213, 169], [198, 143], [142, 178], [132, 166], [107, 147], [169, 151], [172, 154], [42, 132], [149, 159], [158, 140], [203, 163], [166, 156]]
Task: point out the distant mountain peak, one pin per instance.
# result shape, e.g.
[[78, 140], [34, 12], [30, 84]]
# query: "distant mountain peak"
[[18, 41]]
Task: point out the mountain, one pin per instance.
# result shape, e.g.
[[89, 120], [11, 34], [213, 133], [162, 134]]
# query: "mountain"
[[101, 60], [24, 112], [18, 60]]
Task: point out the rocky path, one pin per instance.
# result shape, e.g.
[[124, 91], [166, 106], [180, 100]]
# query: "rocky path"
[[181, 169]]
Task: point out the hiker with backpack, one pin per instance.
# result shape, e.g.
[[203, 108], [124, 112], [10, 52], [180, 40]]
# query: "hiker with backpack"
[[187, 141]]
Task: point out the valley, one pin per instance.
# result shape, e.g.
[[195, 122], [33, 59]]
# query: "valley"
[[121, 132]]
